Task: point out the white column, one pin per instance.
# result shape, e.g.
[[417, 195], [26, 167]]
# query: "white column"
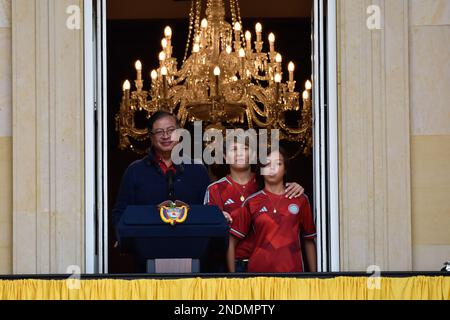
[[48, 140]]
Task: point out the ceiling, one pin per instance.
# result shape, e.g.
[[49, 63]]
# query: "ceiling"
[[176, 9]]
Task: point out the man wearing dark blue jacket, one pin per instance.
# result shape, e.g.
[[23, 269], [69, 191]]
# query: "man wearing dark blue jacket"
[[155, 178]]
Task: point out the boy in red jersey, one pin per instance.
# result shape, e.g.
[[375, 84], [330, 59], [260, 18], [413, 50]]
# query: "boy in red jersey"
[[231, 191], [276, 223]]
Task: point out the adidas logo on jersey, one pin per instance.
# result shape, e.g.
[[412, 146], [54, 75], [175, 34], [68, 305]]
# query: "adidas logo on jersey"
[[228, 202], [263, 209]]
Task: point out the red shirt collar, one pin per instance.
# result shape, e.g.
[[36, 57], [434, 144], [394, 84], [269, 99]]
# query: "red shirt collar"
[[162, 164]]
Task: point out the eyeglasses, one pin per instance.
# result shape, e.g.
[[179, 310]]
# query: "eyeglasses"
[[161, 132]]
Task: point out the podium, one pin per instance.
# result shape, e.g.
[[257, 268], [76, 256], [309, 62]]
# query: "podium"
[[200, 240]]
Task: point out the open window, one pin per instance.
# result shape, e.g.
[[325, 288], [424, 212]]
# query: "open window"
[[115, 38]]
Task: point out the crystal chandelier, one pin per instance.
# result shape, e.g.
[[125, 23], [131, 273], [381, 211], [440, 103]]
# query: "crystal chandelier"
[[226, 81]]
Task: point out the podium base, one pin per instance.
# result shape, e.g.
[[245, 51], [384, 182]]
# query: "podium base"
[[155, 266]]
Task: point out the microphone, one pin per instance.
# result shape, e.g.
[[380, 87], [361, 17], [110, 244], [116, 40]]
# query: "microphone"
[[170, 189]]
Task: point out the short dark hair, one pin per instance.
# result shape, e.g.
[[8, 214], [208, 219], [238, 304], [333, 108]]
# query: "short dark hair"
[[158, 115]]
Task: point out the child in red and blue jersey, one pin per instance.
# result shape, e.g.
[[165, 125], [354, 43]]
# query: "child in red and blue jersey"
[[275, 223]]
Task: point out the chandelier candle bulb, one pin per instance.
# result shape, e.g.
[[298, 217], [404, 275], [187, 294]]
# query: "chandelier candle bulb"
[[272, 42], [138, 66], [258, 42], [277, 86], [164, 76], [154, 76], [305, 95], [195, 51], [278, 60], [217, 71], [203, 32], [168, 35], [165, 46], [126, 91], [241, 53], [308, 85], [291, 68], [196, 48], [126, 85], [164, 43], [162, 58], [168, 32], [258, 29], [237, 36], [204, 23], [216, 79], [277, 77], [248, 39], [242, 62]]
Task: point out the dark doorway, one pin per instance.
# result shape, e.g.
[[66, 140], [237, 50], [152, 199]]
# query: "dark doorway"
[[129, 40]]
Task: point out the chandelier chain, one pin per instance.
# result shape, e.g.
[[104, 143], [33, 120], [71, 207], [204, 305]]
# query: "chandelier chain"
[[233, 13], [197, 17], [238, 14], [190, 32]]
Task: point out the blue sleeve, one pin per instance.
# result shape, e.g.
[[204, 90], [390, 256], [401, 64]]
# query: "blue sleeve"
[[125, 196], [204, 183]]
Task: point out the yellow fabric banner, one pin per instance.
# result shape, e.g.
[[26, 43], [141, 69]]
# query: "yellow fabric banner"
[[260, 288]]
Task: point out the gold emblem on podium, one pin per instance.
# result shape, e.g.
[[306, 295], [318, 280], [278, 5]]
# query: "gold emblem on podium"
[[173, 212]]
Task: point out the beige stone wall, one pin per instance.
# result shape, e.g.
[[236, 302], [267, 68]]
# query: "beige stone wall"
[[5, 139], [48, 133], [430, 132], [395, 135], [375, 202]]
